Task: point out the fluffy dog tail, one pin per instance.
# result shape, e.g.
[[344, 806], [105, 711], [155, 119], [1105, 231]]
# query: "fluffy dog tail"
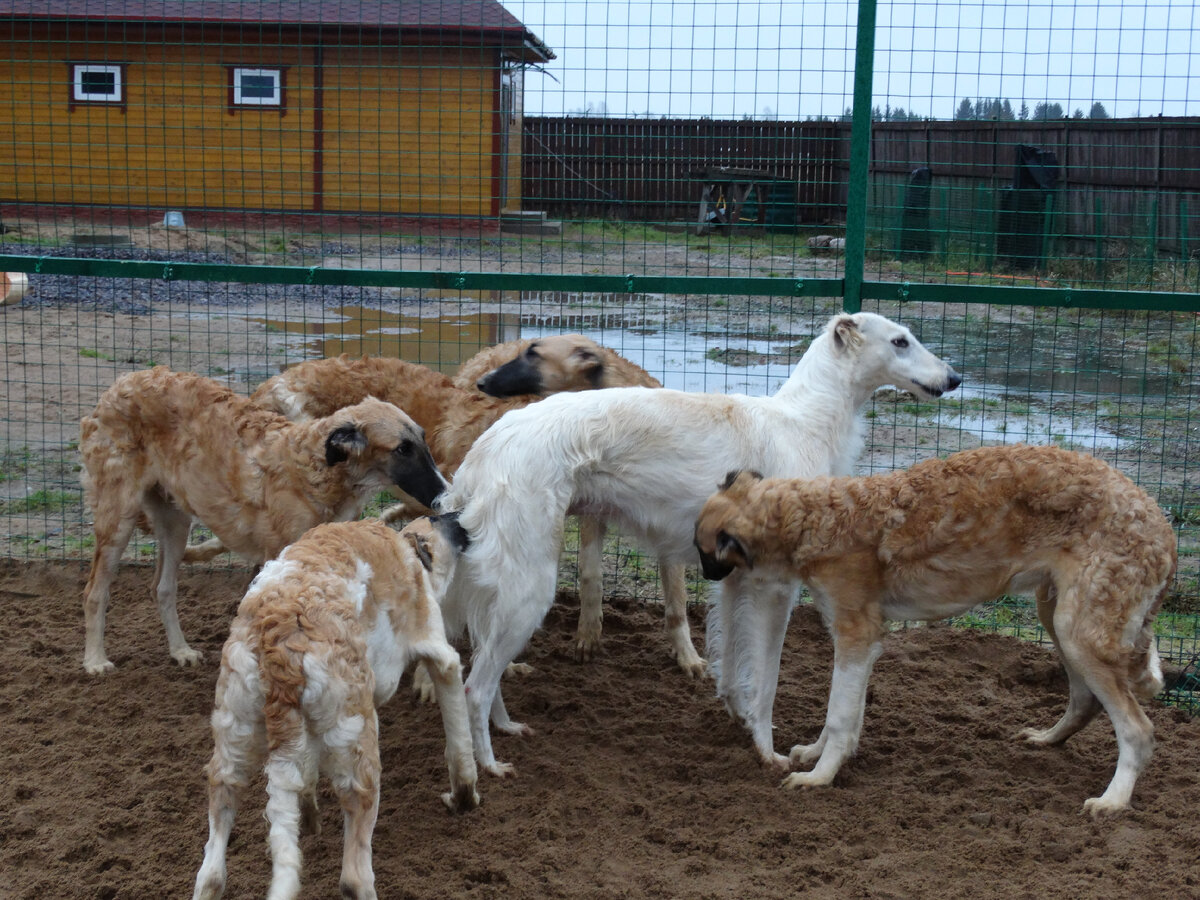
[[291, 754]]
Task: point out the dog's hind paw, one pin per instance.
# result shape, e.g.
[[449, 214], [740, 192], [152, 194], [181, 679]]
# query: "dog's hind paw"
[[804, 754], [422, 684], [186, 656], [520, 729], [775, 762], [1035, 735], [501, 770]]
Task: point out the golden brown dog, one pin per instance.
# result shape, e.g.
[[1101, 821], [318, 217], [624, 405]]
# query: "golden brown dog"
[[454, 416], [549, 365], [319, 642], [945, 535], [167, 446]]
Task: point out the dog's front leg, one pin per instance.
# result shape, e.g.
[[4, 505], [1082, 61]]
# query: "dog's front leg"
[[857, 643], [767, 627], [675, 600]]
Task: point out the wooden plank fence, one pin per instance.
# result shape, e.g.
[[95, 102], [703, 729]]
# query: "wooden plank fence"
[[1135, 177]]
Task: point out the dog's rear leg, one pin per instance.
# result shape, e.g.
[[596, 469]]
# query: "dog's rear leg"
[[285, 786], [237, 753], [113, 527], [857, 643], [354, 769], [591, 590], [1082, 704], [484, 702], [171, 527], [1090, 657], [678, 633], [446, 675]]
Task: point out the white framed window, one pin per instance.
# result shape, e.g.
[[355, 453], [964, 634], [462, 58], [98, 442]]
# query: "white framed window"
[[256, 87], [95, 83]]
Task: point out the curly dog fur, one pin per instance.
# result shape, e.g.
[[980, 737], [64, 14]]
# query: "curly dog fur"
[[163, 447], [319, 642], [937, 539]]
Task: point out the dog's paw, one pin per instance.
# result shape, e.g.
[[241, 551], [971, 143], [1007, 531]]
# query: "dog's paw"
[[587, 648], [692, 663], [186, 656], [422, 685], [802, 779], [98, 666], [521, 669], [804, 754], [501, 770], [519, 729], [1098, 807], [1035, 735], [463, 799], [775, 762]]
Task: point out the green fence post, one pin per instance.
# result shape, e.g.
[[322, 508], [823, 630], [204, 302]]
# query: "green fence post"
[[860, 158]]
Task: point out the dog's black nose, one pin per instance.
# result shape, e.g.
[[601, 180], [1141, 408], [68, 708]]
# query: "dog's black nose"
[[953, 380]]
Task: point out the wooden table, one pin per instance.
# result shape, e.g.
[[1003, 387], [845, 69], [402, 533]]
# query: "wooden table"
[[723, 193]]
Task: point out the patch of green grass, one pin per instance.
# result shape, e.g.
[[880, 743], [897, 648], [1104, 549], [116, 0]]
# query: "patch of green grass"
[[39, 501], [96, 354]]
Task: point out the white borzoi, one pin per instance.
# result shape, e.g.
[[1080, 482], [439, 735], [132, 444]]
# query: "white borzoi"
[[647, 459]]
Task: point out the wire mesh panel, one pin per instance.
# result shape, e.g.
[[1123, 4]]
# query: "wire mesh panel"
[[230, 188]]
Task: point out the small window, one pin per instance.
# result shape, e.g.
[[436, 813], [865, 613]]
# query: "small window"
[[257, 87], [97, 84]]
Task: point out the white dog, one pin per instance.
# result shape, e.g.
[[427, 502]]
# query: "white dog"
[[319, 642], [648, 459]]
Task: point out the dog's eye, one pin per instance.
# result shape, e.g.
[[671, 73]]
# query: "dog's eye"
[[900, 342], [531, 353], [405, 448]]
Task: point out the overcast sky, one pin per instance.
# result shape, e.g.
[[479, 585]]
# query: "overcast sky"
[[796, 59]]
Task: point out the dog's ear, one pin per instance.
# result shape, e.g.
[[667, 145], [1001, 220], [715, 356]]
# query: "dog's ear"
[[732, 552], [589, 363], [846, 332], [420, 545], [734, 474], [345, 441]]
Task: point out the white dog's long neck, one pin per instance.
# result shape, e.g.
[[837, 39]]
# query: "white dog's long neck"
[[824, 390]]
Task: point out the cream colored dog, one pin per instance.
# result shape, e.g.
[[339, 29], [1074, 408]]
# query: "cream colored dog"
[[163, 447], [319, 642], [945, 535], [647, 460]]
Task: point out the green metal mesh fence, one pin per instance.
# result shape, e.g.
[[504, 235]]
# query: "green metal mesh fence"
[[229, 188]]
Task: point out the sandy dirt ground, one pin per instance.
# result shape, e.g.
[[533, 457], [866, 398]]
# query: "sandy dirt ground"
[[635, 783]]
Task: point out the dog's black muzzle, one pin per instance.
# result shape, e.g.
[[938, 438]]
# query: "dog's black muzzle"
[[711, 567], [448, 525], [513, 378], [417, 475]]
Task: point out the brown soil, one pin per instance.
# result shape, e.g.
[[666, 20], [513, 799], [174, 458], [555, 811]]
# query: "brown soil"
[[635, 784]]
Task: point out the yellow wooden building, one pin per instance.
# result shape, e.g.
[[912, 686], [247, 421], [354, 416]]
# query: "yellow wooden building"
[[335, 106]]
